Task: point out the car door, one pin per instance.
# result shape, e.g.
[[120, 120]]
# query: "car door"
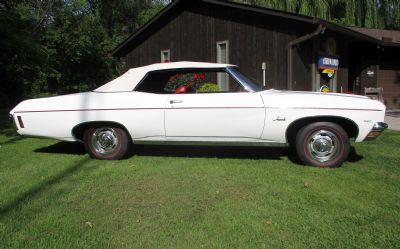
[[237, 116]]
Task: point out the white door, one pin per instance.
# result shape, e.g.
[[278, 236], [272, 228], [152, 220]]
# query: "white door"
[[214, 116]]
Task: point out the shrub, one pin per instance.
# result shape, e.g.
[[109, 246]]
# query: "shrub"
[[209, 87]]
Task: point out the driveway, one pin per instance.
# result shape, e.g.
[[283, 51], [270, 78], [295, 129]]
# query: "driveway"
[[393, 119]]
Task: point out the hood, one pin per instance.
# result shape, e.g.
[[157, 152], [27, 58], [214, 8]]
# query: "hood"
[[292, 99], [314, 93]]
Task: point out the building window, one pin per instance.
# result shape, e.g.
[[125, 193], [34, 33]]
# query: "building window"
[[223, 57], [165, 55]]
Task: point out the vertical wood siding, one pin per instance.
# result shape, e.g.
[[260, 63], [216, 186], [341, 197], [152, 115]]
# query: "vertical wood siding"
[[253, 38], [389, 77]]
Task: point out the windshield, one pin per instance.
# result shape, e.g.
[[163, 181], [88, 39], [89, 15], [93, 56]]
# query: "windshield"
[[248, 84]]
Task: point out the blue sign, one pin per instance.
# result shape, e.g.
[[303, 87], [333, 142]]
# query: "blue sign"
[[328, 63]]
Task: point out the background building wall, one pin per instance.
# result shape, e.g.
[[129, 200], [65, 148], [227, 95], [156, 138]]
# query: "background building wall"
[[253, 38]]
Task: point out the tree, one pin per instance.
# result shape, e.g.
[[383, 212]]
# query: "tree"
[[62, 46], [21, 57], [122, 17], [363, 13]]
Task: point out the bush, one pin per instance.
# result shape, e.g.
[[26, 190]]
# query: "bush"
[[209, 88], [4, 101]]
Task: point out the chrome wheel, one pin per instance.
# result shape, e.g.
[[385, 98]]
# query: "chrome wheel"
[[323, 145], [104, 140]]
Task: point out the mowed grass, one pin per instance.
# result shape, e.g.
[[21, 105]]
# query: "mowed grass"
[[53, 196]]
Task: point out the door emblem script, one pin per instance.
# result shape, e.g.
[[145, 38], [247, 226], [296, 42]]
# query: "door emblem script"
[[279, 118]]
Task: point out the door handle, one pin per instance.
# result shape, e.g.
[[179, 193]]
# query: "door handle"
[[175, 101]]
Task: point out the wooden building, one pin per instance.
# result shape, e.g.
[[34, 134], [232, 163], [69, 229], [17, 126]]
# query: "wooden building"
[[297, 52]]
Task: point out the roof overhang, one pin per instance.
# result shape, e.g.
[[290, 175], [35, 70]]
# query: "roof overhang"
[[179, 5], [122, 48]]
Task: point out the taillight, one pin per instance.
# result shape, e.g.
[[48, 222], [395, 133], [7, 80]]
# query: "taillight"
[[21, 124]]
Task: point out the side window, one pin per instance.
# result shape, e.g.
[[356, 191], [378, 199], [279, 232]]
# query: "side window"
[[154, 82], [186, 82], [201, 82]]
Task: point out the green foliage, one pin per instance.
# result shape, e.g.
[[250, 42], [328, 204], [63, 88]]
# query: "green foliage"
[[147, 13], [383, 14], [55, 47], [209, 88], [21, 57]]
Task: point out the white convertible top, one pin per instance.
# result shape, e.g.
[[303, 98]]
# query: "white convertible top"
[[129, 80]]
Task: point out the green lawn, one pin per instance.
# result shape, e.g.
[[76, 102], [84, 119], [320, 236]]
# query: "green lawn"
[[53, 196]]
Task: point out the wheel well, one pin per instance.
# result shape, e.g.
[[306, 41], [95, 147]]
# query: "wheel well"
[[348, 125], [78, 131]]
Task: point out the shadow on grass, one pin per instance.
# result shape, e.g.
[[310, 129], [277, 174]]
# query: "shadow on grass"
[[222, 152], [12, 140], [30, 194], [9, 131], [271, 153], [268, 153], [71, 148], [353, 156]]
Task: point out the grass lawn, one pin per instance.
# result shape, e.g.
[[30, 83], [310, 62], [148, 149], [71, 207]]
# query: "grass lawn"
[[53, 196]]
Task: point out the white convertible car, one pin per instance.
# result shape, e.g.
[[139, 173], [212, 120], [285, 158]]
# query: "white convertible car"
[[180, 103]]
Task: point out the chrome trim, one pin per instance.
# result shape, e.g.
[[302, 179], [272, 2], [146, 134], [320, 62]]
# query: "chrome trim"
[[243, 80], [380, 126], [376, 130], [211, 143], [323, 145], [104, 140], [325, 118], [175, 101]]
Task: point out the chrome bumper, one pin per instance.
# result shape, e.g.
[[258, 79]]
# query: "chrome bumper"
[[377, 130]]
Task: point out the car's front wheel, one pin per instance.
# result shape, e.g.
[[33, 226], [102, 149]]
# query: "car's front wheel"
[[322, 144], [107, 143]]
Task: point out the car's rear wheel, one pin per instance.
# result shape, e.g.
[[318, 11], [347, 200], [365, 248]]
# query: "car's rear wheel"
[[322, 144], [107, 143]]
